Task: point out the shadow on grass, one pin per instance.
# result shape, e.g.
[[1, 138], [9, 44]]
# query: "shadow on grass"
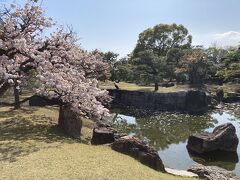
[[21, 136], [11, 112]]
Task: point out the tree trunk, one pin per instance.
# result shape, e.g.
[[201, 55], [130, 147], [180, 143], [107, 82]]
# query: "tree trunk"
[[156, 86], [5, 86], [16, 95], [60, 117], [70, 121]]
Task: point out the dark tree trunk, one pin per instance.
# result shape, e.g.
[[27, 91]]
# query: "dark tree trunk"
[[60, 117], [5, 86], [16, 95], [116, 86], [70, 121], [156, 86]]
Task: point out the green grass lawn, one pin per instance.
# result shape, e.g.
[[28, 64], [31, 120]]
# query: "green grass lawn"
[[32, 147], [134, 87]]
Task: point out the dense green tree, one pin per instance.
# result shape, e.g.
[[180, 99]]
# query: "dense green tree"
[[230, 71], [109, 57], [149, 67], [173, 58], [123, 70], [163, 37], [158, 52], [214, 57]]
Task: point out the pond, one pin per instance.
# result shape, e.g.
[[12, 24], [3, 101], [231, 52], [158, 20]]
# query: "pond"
[[168, 133]]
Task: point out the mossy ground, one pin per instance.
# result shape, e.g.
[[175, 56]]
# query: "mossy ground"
[[32, 147]]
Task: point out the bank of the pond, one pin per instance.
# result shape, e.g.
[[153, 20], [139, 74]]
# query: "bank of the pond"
[[168, 133]]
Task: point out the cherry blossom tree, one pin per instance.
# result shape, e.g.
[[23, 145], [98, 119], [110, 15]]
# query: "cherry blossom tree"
[[65, 71]]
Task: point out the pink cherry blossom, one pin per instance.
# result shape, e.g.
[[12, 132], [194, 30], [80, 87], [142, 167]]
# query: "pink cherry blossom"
[[64, 70]]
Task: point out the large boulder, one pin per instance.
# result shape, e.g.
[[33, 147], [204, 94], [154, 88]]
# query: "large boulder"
[[212, 172], [196, 101], [223, 138], [140, 151], [70, 121], [103, 135]]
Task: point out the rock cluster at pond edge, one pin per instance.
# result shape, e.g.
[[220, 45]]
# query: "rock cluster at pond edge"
[[140, 151], [223, 138], [212, 172]]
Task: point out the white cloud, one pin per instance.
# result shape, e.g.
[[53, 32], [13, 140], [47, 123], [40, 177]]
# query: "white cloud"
[[225, 39], [229, 34], [230, 38]]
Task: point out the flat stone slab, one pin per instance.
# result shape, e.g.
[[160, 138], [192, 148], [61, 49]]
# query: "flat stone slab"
[[180, 172]]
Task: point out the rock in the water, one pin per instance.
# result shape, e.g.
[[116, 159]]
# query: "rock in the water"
[[140, 151], [230, 158], [70, 121], [212, 173], [223, 138], [103, 135], [196, 101]]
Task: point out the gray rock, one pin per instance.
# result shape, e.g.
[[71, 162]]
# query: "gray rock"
[[140, 151], [103, 135], [212, 172], [222, 138]]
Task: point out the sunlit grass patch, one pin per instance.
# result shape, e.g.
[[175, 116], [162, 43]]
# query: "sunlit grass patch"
[[33, 147], [177, 87]]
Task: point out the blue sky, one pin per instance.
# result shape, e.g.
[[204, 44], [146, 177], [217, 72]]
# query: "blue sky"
[[115, 24]]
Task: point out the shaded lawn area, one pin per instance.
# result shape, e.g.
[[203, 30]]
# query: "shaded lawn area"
[[134, 87], [32, 147]]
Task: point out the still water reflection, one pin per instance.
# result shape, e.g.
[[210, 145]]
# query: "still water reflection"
[[168, 133]]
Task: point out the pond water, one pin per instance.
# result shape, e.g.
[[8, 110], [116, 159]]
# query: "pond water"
[[168, 133]]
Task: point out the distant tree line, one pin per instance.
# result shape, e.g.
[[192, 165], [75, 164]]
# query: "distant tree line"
[[165, 53]]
